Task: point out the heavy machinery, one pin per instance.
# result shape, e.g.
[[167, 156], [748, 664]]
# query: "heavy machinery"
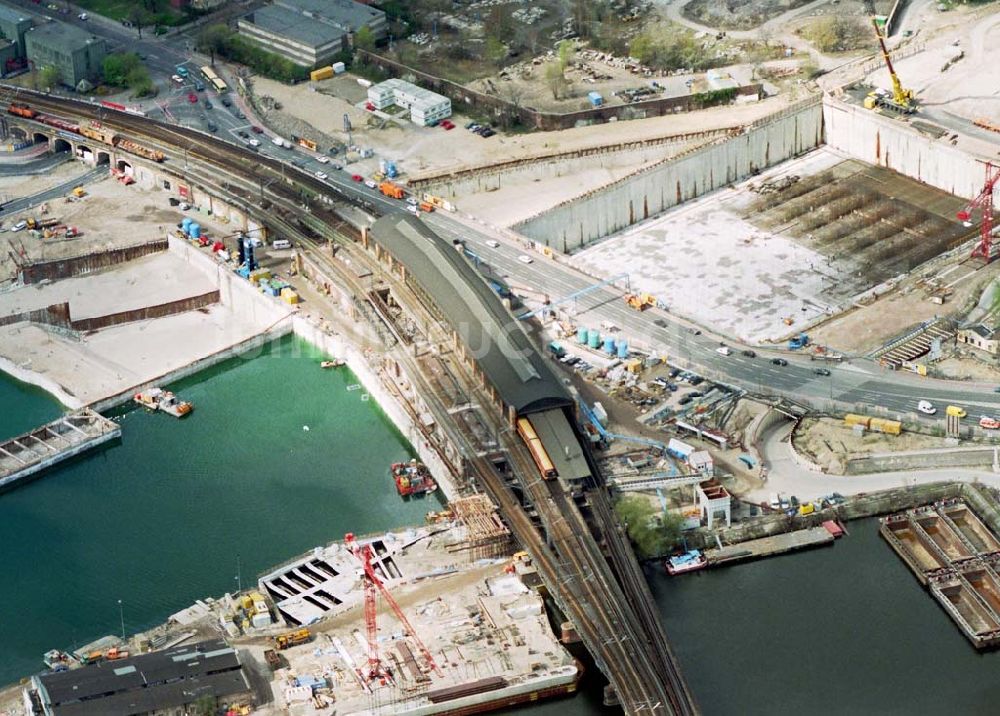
[[394, 191], [376, 670], [902, 100], [983, 202], [799, 341], [34, 223], [640, 301], [292, 638]]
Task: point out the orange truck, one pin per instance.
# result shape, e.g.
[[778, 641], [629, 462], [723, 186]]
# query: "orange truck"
[[394, 191]]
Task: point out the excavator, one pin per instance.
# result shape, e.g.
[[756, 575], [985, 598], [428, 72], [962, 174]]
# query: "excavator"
[[902, 100]]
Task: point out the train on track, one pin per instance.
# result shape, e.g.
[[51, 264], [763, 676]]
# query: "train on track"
[[538, 452], [91, 130]]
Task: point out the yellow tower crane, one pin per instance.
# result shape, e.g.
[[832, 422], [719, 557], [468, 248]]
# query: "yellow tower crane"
[[902, 100]]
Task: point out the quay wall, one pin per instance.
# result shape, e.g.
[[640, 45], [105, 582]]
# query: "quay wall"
[[87, 263], [575, 223], [920, 460], [890, 143], [170, 308]]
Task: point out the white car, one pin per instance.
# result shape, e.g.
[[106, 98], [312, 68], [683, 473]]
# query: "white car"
[[524, 259], [370, 184], [412, 200], [493, 244], [19, 226], [322, 176], [925, 407], [323, 159], [412, 209], [177, 78], [82, 16], [254, 142], [723, 350]]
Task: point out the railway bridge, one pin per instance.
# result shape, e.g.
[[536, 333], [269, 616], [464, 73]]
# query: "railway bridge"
[[542, 476]]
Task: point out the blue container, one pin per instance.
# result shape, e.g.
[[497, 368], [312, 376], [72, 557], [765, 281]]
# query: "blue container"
[[186, 224], [194, 230], [609, 345], [581, 336], [594, 338], [623, 349]]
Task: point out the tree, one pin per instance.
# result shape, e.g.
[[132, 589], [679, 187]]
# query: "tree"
[[554, 79], [49, 76], [205, 706], [214, 39], [567, 52], [496, 51], [364, 39], [139, 18], [654, 534]]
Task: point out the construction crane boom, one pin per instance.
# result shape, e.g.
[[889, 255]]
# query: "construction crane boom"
[[902, 99], [372, 587], [983, 202]]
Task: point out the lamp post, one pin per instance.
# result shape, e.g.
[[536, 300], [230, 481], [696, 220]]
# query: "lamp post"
[[121, 615]]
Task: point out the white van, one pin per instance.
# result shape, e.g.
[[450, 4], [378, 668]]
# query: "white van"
[[279, 142], [925, 407], [723, 350], [281, 244], [775, 501]]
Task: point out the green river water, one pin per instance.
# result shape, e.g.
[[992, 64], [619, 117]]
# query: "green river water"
[[159, 519]]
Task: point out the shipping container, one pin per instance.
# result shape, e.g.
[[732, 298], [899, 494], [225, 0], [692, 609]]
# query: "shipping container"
[[323, 73], [338, 67], [850, 420]]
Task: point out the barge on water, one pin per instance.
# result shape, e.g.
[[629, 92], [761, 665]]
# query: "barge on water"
[[412, 478], [24, 456], [956, 557], [159, 399]]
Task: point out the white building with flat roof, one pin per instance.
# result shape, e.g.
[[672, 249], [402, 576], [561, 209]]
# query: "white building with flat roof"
[[426, 107]]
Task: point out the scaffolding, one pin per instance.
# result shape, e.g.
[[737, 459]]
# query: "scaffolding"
[[487, 537]]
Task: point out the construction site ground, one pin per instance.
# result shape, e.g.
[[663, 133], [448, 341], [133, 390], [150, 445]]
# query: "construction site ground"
[[826, 441], [423, 150], [91, 366], [956, 367], [869, 327], [14, 186]]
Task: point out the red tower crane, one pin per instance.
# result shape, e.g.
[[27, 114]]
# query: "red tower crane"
[[373, 586], [984, 202]]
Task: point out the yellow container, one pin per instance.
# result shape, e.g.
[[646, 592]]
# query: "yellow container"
[[258, 274], [806, 509], [850, 420], [289, 296], [323, 73]]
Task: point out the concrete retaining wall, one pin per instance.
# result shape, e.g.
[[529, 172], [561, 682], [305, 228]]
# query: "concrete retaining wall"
[[55, 315], [891, 143], [552, 165], [88, 263], [922, 460], [573, 224], [141, 314]]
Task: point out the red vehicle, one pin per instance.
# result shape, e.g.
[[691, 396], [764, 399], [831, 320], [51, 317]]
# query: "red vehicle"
[[447, 124], [256, 130], [357, 177], [192, 98], [369, 106]]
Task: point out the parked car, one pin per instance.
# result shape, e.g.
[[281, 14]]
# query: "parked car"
[[487, 133], [685, 399], [322, 176], [243, 134], [256, 130], [750, 354], [779, 361], [696, 380], [660, 322], [207, 103], [212, 127], [524, 259], [192, 98], [370, 184], [493, 244], [177, 79], [447, 124], [369, 106], [357, 177], [821, 371], [19, 226], [254, 142], [323, 159], [674, 372], [226, 102], [83, 16]]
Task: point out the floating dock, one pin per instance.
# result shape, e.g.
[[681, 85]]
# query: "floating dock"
[[23, 457], [955, 556], [769, 546]]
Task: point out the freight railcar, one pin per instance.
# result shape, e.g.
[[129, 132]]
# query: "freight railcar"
[[58, 123], [95, 130], [22, 110], [538, 453]]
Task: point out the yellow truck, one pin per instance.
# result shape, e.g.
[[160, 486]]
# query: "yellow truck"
[[292, 638], [956, 411]]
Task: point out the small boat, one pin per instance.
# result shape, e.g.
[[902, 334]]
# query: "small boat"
[[332, 363], [690, 561], [412, 478], [57, 660], [158, 399]]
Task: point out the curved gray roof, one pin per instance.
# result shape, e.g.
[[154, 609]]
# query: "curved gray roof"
[[492, 336]]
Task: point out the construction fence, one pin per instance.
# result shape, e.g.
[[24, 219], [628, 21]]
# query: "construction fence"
[[32, 273]]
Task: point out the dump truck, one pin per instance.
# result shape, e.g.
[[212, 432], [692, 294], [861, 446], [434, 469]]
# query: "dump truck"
[[34, 223], [292, 638], [640, 301], [272, 659], [79, 192], [394, 191]]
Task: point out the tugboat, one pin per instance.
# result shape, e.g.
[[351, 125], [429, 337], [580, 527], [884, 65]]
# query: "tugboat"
[[332, 363], [57, 660], [690, 561], [412, 478], [158, 399]]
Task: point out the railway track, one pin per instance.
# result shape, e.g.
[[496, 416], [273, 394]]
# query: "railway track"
[[615, 616]]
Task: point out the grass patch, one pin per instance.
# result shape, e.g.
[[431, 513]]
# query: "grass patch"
[[120, 9]]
